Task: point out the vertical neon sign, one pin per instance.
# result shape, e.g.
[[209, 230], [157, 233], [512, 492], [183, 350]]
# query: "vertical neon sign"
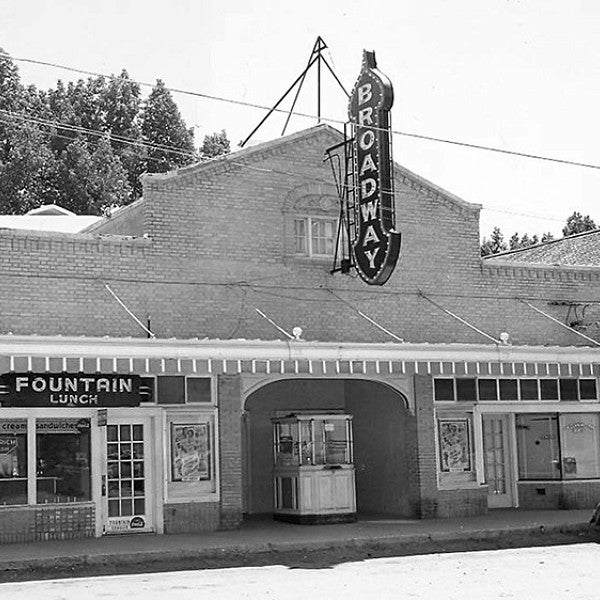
[[376, 244]]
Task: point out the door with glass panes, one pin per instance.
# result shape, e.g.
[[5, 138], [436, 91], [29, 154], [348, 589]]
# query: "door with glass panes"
[[127, 483], [497, 461]]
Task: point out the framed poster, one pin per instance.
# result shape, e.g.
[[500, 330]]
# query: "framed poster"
[[455, 446], [190, 452]]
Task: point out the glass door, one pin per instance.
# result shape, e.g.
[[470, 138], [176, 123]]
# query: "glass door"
[[496, 448], [126, 486]]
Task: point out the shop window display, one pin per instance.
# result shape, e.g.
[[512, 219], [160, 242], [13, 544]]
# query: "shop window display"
[[13, 462], [552, 446], [63, 460]]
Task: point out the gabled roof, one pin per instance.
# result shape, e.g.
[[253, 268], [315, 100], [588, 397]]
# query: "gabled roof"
[[580, 250], [258, 151]]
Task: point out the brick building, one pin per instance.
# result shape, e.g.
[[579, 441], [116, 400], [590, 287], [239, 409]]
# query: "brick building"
[[472, 383]]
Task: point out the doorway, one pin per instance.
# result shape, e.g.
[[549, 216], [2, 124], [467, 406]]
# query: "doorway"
[[498, 461], [128, 504]]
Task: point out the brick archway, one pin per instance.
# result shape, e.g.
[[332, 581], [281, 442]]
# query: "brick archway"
[[384, 441]]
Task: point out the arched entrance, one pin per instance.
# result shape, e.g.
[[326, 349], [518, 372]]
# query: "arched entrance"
[[384, 446]]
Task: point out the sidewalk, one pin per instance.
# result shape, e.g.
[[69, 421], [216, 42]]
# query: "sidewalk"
[[275, 539]]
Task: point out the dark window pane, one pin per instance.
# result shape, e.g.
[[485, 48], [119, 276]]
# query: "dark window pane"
[[63, 464], [125, 431], [138, 487], [529, 389], [147, 389], [444, 389], [171, 389], [126, 507], [568, 389], [509, 389], [111, 433], [13, 462], [465, 390], [549, 389], [113, 508], [138, 432], [139, 506], [488, 389], [198, 389], [587, 389]]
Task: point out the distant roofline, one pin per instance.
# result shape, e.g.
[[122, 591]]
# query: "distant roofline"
[[539, 245]]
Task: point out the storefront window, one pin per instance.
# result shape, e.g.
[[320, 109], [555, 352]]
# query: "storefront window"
[[13, 462], [63, 460], [580, 445]]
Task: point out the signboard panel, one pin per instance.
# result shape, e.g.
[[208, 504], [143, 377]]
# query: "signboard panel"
[[376, 244], [68, 390]]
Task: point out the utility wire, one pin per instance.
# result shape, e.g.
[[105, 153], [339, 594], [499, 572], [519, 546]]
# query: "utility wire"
[[174, 150], [311, 116]]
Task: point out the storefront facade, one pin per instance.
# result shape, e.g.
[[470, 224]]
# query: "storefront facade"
[[142, 361]]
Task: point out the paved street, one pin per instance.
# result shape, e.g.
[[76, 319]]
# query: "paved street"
[[551, 573]]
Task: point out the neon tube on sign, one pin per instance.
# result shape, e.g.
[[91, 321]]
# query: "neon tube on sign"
[[376, 243]]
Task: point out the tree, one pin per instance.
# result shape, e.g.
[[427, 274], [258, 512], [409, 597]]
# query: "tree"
[[28, 170], [121, 103], [577, 223], [163, 127], [92, 180], [215, 145], [495, 244]]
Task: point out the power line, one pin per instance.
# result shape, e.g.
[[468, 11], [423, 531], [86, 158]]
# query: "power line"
[[174, 150], [311, 116]]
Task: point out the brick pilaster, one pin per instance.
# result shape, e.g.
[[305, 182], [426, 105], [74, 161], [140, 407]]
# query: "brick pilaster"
[[230, 440]]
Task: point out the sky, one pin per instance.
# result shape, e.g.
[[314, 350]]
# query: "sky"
[[518, 75]]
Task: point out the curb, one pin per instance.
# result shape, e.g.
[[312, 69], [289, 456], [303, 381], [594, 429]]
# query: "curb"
[[266, 552]]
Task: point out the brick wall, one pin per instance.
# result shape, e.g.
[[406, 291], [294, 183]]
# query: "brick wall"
[[423, 462], [554, 495], [230, 451], [217, 249], [191, 517], [46, 523], [468, 502]]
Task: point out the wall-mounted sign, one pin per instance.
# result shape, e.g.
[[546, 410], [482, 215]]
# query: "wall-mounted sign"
[[376, 244], [68, 390]]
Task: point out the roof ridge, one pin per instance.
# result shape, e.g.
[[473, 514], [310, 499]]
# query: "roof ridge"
[[241, 154], [540, 244]]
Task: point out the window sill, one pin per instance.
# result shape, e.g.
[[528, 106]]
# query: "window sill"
[[466, 485]]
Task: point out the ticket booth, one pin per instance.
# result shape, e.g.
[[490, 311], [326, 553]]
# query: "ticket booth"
[[313, 473]]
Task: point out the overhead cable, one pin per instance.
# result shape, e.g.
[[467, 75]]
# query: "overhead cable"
[[312, 116]]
